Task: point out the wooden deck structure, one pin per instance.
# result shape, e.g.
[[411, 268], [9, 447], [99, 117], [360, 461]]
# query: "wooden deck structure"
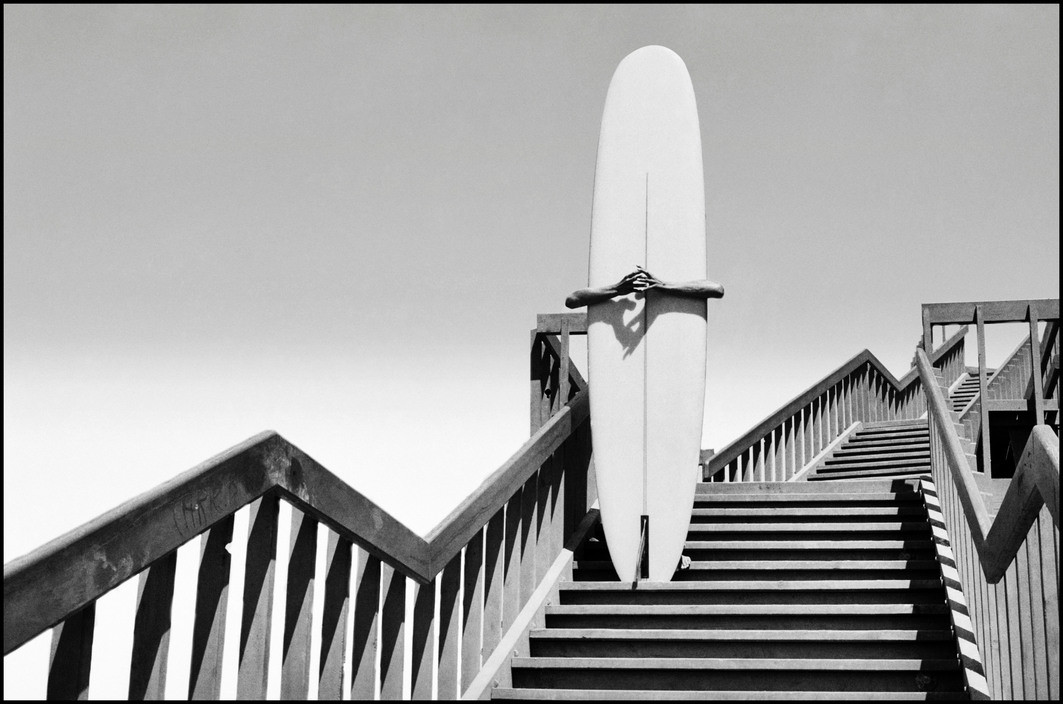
[[483, 578]]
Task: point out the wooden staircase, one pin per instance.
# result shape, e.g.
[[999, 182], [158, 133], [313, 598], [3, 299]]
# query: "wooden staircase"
[[796, 590], [965, 391], [888, 450]]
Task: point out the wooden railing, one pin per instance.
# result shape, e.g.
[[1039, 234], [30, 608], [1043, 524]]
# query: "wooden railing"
[[1012, 381], [982, 313], [493, 550], [1008, 567], [861, 390]]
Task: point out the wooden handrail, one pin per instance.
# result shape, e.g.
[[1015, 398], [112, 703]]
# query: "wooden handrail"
[[49, 584], [724, 456], [1036, 483]]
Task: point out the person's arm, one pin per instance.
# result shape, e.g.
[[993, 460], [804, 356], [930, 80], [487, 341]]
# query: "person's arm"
[[590, 296], [702, 288]]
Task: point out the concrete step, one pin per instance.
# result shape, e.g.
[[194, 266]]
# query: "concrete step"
[[702, 695], [799, 674]]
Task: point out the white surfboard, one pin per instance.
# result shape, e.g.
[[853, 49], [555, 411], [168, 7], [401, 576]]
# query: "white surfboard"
[[646, 354]]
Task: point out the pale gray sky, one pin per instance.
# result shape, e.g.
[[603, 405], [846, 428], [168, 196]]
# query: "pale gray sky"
[[340, 222]]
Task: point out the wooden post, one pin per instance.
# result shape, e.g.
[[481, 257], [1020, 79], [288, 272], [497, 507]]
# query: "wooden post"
[[564, 386], [987, 461], [1035, 370]]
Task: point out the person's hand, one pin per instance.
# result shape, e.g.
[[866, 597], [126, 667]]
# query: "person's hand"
[[647, 280], [629, 284]]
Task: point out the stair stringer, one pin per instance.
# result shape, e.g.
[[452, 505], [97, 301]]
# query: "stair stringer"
[[962, 628]]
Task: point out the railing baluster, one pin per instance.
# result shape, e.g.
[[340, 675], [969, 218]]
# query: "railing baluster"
[[392, 632], [298, 607], [366, 626], [71, 657], [511, 574], [472, 612], [257, 613], [334, 617], [493, 563], [449, 620], [212, 598], [791, 465], [528, 538], [151, 631], [422, 660]]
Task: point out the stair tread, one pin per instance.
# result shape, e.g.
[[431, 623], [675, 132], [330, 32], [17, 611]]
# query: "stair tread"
[[716, 565], [883, 464], [789, 488], [872, 456], [925, 544], [740, 634], [834, 498], [745, 609], [650, 694], [853, 664], [758, 585], [812, 527], [813, 511], [856, 474]]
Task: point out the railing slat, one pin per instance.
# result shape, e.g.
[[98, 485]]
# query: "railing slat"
[[257, 616], [366, 625], [71, 657], [298, 608], [511, 569], [528, 537], [1038, 664], [212, 600], [392, 632], [449, 621], [493, 584], [1050, 585], [421, 660], [334, 617], [151, 630], [472, 612]]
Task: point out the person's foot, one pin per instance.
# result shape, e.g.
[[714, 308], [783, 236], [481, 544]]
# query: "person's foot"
[[684, 563]]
